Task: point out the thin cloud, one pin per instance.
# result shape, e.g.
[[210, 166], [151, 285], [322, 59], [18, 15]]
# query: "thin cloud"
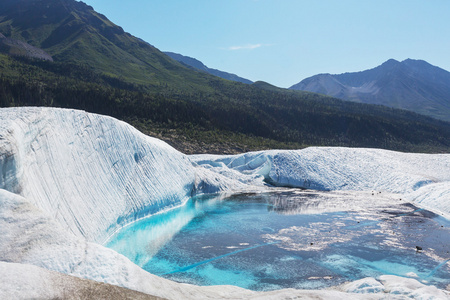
[[245, 47]]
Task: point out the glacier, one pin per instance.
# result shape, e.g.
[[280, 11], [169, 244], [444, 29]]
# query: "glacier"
[[421, 178], [70, 179]]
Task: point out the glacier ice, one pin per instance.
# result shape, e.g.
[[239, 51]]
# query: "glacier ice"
[[92, 173], [421, 178], [69, 179]]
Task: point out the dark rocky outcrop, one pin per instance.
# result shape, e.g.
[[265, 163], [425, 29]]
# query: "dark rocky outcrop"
[[19, 48]]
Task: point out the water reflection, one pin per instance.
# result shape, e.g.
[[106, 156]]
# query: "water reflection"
[[301, 203], [304, 202]]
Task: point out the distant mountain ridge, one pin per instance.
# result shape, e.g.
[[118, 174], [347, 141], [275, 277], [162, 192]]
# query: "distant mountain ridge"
[[198, 65], [413, 85]]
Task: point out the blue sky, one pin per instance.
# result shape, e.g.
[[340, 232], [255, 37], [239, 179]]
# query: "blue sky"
[[285, 41]]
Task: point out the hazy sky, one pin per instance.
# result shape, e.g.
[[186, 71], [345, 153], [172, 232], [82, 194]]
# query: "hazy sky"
[[285, 41]]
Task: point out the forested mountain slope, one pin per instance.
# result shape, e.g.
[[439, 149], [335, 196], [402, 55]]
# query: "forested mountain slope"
[[100, 68]]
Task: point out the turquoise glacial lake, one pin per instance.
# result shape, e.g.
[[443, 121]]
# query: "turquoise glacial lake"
[[290, 239]]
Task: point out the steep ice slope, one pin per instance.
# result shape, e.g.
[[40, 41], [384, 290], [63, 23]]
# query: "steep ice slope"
[[424, 178], [91, 173]]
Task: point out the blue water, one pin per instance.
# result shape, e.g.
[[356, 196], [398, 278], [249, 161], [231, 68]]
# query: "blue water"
[[289, 239]]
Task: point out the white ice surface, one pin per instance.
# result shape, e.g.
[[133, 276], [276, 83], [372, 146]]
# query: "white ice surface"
[[91, 173], [421, 178], [68, 179]]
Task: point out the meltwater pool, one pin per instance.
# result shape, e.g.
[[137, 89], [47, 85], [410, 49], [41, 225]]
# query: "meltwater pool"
[[290, 239]]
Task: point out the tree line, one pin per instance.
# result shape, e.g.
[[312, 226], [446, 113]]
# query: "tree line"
[[231, 112]]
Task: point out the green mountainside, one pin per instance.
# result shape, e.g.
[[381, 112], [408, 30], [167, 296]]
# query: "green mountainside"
[[73, 32], [100, 68]]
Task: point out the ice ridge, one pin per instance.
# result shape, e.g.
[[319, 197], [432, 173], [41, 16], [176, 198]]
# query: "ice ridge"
[[92, 173]]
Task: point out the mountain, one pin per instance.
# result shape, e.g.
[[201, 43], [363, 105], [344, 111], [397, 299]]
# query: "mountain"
[[413, 85], [72, 32], [198, 65], [100, 68]]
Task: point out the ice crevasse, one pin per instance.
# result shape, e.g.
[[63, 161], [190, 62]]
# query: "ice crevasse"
[[69, 179]]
